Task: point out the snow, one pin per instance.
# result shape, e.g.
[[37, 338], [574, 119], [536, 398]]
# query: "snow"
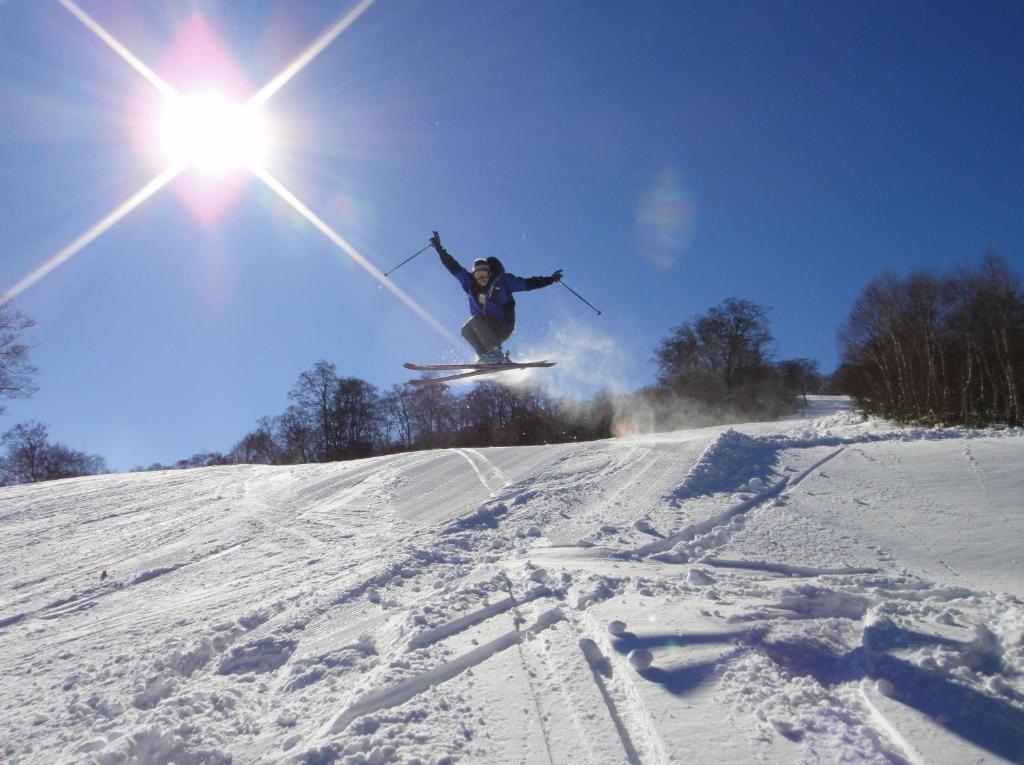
[[819, 589]]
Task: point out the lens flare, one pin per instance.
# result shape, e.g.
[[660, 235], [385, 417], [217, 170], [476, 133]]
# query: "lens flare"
[[665, 220]]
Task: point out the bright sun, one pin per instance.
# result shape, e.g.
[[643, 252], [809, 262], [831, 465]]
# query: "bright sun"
[[210, 133]]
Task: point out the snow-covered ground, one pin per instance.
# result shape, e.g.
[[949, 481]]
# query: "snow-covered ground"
[[815, 590]]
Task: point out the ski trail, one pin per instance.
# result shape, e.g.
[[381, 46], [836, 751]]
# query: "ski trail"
[[816, 466], [399, 693], [489, 464], [628, 483], [542, 719], [429, 637], [438, 488], [703, 527], [600, 666], [742, 508], [469, 455], [785, 569], [571, 723], [911, 755]]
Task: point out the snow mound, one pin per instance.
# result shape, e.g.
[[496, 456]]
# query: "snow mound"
[[728, 464]]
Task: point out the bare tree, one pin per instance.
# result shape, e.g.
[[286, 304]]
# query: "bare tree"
[[722, 358], [801, 376], [433, 416], [1005, 329], [15, 370], [30, 457], [313, 393], [938, 349], [257, 447], [25, 461], [63, 462], [296, 434], [357, 418], [396, 407]]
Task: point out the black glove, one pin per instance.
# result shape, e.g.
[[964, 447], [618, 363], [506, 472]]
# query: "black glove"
[[556, 276], [436, 241]]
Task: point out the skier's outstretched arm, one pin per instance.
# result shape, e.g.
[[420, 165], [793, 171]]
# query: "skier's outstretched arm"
[[447, 260], [519, 284]]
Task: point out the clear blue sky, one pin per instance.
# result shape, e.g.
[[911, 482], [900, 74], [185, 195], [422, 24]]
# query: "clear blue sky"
[[667, 155]]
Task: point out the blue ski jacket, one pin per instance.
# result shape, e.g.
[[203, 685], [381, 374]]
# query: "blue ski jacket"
[[495, 300]]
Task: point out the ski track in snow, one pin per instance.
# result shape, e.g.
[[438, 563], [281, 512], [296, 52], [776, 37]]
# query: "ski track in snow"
[[796, 599], [482, 466]]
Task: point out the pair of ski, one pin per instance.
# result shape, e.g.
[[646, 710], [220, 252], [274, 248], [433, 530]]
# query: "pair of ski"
[[468, 370]]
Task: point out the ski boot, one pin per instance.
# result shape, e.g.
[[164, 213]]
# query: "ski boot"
[[494, 356]]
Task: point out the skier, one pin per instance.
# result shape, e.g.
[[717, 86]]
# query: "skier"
[[491, 304]]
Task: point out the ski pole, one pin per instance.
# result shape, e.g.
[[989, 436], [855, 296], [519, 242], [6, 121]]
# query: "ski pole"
[[408, 259], [574, 292]]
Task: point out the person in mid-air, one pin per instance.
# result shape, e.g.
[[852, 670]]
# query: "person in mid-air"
[[491, 304]]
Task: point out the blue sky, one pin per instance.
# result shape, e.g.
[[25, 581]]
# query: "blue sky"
[[665, 155]]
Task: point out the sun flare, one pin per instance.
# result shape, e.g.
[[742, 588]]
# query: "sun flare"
[[212, 134]]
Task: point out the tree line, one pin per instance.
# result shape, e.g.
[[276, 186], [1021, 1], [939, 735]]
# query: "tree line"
[[938, 348], [28, 454], [928, 348], [720, 367], [333, 417], [721, 363]]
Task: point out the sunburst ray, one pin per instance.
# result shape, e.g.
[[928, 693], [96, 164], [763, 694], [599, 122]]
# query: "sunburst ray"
[[95, 27], [95, 231], [314, 50], [351, 251]]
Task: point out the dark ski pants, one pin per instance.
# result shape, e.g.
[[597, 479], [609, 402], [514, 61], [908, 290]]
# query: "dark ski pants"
[[485, 333]]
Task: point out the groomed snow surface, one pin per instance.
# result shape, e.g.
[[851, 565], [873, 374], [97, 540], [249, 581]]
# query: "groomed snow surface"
[[817, 590]]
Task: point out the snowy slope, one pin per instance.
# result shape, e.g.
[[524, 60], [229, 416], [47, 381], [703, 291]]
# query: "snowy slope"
[[815, 590]]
